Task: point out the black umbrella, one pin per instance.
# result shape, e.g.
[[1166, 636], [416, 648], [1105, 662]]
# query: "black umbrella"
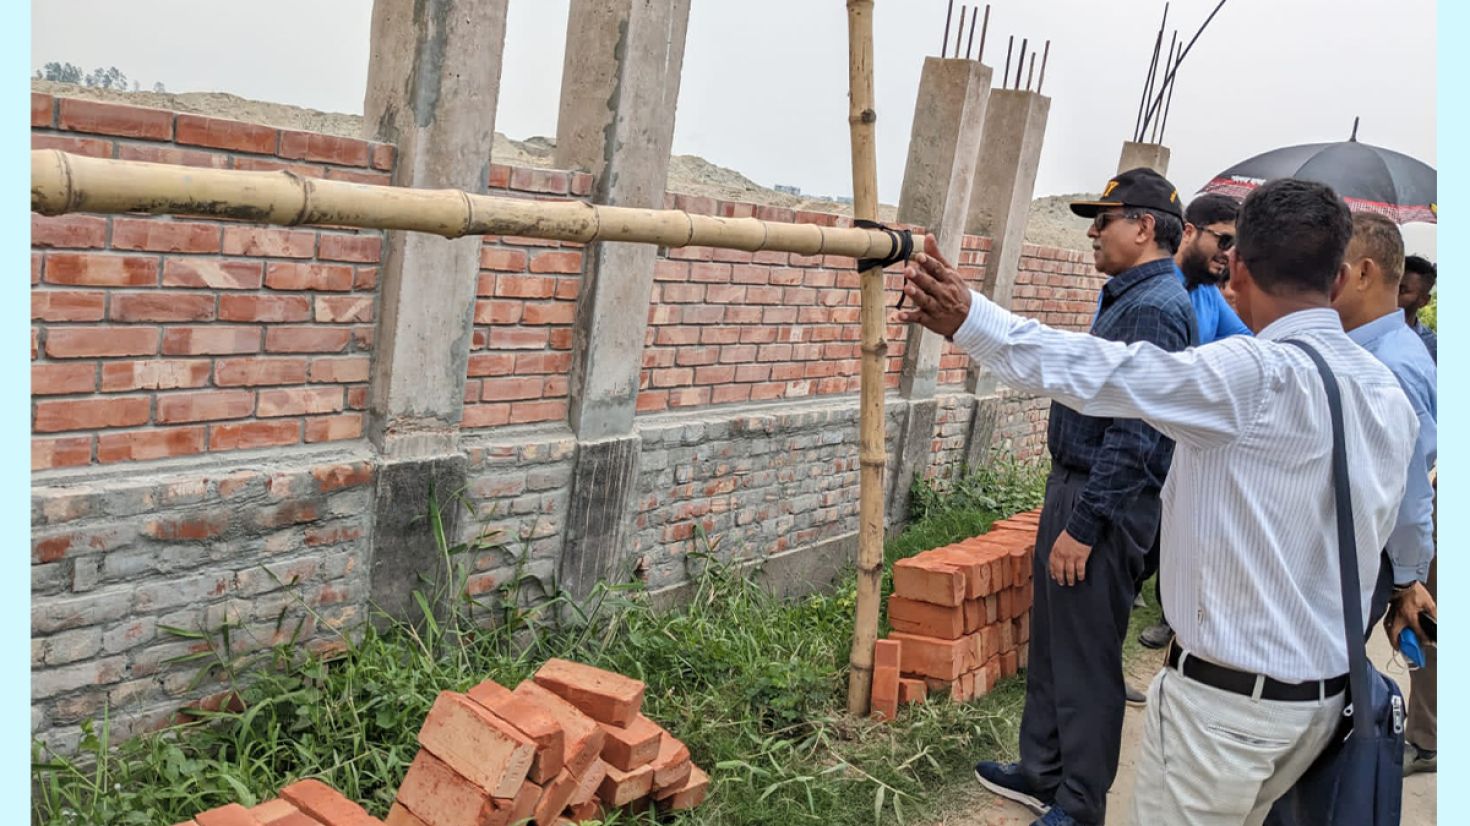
[[1370, 178]]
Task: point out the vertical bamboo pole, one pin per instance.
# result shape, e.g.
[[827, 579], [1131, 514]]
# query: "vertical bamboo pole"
[[871, 452]]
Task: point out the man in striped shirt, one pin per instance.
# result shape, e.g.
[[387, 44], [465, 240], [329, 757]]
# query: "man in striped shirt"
[[1253, 687]]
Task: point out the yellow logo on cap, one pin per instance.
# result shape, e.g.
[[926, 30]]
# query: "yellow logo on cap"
[[1173, 196], [1112, 185]]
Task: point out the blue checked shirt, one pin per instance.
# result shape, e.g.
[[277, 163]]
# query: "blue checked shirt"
[[1123, 457]]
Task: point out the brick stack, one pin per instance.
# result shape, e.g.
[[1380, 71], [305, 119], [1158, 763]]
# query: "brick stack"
[[562, 747], [960, 616]]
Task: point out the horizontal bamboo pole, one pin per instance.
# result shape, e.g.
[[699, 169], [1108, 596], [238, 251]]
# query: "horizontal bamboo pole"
[[62, 182]]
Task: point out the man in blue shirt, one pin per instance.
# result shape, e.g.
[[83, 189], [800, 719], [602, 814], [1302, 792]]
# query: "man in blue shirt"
[[1209, 233], [1414, 291], [1369, 308], [1101, 512]]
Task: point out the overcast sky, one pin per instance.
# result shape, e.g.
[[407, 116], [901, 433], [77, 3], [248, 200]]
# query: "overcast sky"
[[765, 81]]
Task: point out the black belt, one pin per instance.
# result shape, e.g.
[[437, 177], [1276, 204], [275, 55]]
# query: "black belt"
[[1245, 683]]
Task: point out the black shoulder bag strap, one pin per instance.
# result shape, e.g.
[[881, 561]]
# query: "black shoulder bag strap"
[[1347, 549]]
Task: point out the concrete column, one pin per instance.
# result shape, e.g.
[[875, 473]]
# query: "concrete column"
[[433, 81], [1154, 156], [1000, 202], [620, 86], [943, 149]]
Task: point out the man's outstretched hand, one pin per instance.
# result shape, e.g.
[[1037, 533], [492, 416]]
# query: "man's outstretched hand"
[[938, 297]]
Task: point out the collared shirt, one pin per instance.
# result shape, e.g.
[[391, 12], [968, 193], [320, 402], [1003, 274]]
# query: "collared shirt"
[[1215, 316], [1411, 545], [1251, 574], [1122, 457], [1428, 336]]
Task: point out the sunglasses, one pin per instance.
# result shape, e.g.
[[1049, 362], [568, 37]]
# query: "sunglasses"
[[1225, 239], [1101, 221]]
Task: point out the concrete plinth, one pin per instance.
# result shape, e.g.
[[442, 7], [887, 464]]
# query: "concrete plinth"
[[982, 431], [433, 82], [1153, 156], [914, 443], [405, 555], [598, 515]]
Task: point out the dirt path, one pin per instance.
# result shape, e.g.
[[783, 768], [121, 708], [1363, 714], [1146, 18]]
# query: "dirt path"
[[982, 809]]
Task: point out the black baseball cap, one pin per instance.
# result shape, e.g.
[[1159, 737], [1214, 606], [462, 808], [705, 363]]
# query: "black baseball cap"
[[1141, 187]]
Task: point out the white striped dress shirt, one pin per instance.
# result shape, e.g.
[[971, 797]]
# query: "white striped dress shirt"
[[1250, 561]]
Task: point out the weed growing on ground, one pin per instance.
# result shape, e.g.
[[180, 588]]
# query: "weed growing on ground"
[[755, 685]]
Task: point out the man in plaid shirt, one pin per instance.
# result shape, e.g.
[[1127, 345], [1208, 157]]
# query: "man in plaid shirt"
[[1100, 517]]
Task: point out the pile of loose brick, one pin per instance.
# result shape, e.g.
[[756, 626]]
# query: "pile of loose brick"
[[564, 747], [961, 618]]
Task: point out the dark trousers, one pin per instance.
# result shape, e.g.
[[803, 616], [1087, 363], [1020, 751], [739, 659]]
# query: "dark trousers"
[[1072, 726], [1151, 567]]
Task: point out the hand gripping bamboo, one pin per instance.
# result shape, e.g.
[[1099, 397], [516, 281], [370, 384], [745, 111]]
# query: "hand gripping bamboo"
[[872, 454], [62, 183]]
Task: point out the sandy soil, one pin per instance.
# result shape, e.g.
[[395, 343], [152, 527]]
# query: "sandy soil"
[[1049, 222]]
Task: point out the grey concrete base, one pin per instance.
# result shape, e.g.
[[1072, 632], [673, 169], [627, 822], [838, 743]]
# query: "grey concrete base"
[[914, 442], [603, 488], [982, 431], [789, 575], [1153, 156], [406, 557]]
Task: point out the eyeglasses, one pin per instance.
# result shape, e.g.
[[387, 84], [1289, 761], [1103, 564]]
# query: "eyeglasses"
[[1101, 221], [1225, 239]]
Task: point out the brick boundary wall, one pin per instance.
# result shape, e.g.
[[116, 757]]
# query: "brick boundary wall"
[[167, 491]]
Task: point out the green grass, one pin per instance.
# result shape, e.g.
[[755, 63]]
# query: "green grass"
[[755, 685]]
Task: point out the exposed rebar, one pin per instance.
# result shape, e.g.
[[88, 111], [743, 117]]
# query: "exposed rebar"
[[1168, 80], [959, 36], [1169, 101], [1182, 52], [1153, 63], [970, 44], [1020, 63], [1005, 78], [1030, 71], [944, 45], [1045, 53], [984, 30]]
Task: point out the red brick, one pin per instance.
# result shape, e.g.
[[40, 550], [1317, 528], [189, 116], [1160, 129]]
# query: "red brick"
[[557, 262], [524, 286], [911, 691], [477, 745], [161, 306], [929, 581], [511, 389], [269, 242], [42, 109], [344, 309], [254, 372], [67, 451], [334, 428], [158, 235], [1009, 663], [153, 153], [326, 804], [974, 612], [62, 379], [79, 115], [266, 308], [554, 797], [533, 721], [602, 695], [306, 340], [298, 401], [886, 662], [292, 276], [280, 813], [207, 406], [155, 443], [619, 788], [153, 374], [518, 338], [588, 783], [558, 312], [248, 164], [312, 146], [230, 814], [340, 370], [67, 305], [687, 795], [583, 737], [94, 342], [204, 341], [68, 231], [400, 816], [526, 179], [926, 618], [631, 746], [941, 659], [214, 275], [90, 414], [81, 269], [225, 134], [671, 766], [502, 260], [331, 478], [362, 249], [383, 156], [248, 435]]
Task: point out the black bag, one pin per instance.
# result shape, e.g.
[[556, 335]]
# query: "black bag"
[[1358, 779]]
